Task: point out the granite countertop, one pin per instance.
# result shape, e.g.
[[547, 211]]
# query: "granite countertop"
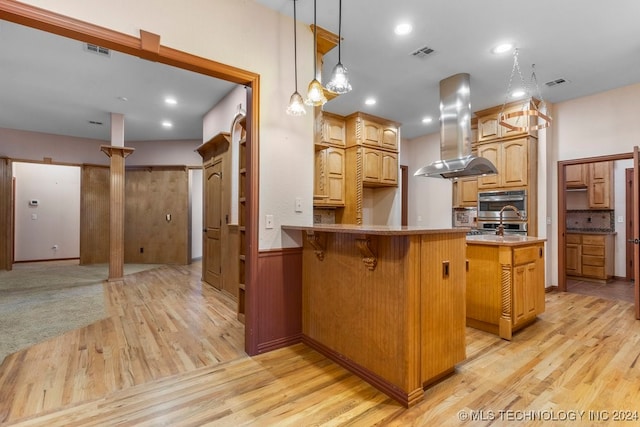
[[590, 232], [506, 240], [385, 230]]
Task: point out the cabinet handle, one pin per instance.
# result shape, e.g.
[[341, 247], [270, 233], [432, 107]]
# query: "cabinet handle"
[[540, 252], [445, 269], [467, 264]]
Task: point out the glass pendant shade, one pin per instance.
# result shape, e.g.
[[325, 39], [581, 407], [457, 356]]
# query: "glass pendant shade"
[[339, 82], [296, 105], [315, 94]]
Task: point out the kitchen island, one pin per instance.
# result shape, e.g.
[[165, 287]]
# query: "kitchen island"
[[505, 282], [387, 303]]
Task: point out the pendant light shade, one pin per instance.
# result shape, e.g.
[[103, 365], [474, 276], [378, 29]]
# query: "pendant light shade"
[[296, 104], [339, 82], [315, 93]]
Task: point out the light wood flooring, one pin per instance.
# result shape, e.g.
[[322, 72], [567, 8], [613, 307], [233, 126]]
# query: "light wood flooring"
[[171, 354], [616, 289]]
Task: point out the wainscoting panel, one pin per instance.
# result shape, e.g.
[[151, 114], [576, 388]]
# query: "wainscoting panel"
[[279, 287], [94, 215]]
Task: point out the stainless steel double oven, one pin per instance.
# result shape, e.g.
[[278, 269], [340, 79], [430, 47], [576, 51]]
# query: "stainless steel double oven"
[[490, 203]]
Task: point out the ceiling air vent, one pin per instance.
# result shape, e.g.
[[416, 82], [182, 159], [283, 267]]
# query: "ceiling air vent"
[[422, 52], [102, 51], [555, 82], [94, 122]]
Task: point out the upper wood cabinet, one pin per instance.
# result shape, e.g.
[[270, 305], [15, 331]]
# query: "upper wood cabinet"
[[511, 158], [600, 189], [379, 168], [330, 130], [329, 183], [465, 193], [370, 131], [576, 176], [490, 129]]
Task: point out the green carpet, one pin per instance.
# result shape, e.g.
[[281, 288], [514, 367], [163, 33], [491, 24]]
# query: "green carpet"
[[42, 300]]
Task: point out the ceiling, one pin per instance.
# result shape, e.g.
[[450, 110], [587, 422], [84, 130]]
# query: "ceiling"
[[52, 84]]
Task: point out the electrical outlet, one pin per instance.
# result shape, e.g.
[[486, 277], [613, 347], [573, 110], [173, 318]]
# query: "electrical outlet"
[[268, 223], [620, 218]]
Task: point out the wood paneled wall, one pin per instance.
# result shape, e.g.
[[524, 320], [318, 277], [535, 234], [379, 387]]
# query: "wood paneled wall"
[[6, 214], [94, 215], [279, 289], [153, 193]]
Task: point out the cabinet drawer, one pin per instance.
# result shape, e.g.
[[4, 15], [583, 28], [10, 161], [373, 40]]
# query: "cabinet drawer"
[[573, 238], [592, 271], [596, 261], [589, 239], [526, 255], [593, 250]]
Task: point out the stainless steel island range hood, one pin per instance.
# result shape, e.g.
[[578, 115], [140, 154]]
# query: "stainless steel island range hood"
[[455, 134]]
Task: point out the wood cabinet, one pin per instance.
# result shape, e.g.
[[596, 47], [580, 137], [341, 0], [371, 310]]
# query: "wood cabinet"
[[329, 177], [505, 284], [380, 168], [590, 256], [600, 190], [370, 131], [576, 176], [465, 193], [489, 128], [330, 130], [511, 158]]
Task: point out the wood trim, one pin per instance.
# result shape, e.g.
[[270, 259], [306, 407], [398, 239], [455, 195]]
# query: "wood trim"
[[6, 214], [562, 207], [404, 176], [628, 206], [149, 42], [280, 292], [55, 23]]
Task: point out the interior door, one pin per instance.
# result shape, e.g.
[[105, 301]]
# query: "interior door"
[[636, 229], [212, 252]]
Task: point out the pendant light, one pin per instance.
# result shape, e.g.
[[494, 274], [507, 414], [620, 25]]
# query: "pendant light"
[[339, 82], [315, 93], [296, 104]]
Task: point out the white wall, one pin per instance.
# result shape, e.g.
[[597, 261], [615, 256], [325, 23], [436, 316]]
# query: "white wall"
[[429, 198], [50, 230], [195, 206]]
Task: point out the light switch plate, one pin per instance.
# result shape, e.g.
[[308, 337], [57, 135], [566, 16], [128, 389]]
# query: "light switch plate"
[[298, 204], [268, 223], [620, 218]]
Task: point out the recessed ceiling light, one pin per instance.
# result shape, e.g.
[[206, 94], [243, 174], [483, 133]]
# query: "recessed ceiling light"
[[518, 93], [370, 101], [403, 29], [167, 124], [170, 101], [123, 98], [427, 120], [502, 48]]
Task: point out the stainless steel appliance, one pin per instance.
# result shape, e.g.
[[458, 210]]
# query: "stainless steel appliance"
[[490, 205]]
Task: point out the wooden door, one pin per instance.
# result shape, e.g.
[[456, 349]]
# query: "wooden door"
[[636, 228], [212, 250]]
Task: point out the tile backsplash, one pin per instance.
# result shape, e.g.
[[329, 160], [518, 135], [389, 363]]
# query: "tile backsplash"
[[590, 220], [324, 216]]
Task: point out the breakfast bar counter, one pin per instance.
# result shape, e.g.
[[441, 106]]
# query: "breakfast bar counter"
[[387, 303]]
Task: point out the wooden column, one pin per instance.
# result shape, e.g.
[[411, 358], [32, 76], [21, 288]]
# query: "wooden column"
[[116, 209], [6, 214]]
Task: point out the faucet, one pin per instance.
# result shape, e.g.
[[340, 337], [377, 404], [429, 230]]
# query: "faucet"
[[500, 229]]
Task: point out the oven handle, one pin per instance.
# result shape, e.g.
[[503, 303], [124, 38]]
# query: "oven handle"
[[501, 199]]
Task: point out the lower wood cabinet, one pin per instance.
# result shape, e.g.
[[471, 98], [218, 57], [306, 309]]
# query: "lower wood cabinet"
[[505, 286], [590, 256]]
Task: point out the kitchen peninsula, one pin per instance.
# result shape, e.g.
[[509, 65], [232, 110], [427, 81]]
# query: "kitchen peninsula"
[[387, 303], [505, 282]]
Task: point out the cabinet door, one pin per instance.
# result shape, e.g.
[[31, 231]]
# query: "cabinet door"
[[514, 165], [573, 259], [487, 127], [600, 190], [320, 191], [389, 174], [371, 166], [465, 193], [370, 133], [389, 138], [492, 153], [576, 176], [516, 121], [524, 293], [333, 131], [335, 176]]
